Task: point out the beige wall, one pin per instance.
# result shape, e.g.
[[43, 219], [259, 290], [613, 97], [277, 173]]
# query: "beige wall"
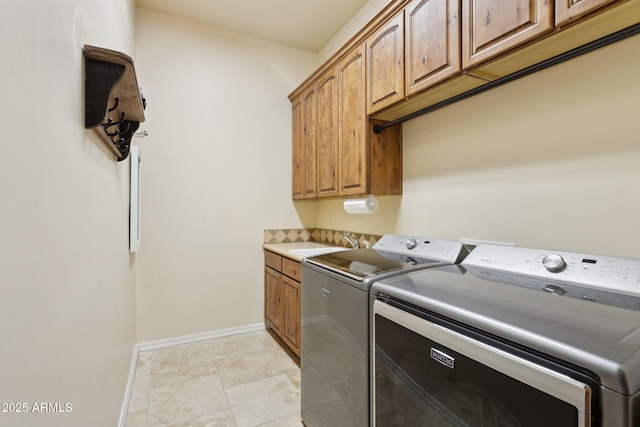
[[217, 172], [66, 277], [548, 161]]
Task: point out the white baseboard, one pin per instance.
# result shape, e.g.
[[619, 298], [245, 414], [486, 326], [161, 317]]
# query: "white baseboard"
[[187, 339], [129, 389]]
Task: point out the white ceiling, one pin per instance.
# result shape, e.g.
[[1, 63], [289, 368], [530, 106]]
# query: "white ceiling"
[[304, 24]]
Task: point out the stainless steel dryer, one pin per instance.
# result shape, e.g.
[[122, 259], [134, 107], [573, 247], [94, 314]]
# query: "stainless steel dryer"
[[511, 337], [335, 322]]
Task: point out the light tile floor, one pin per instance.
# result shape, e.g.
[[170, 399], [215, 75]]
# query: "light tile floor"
[[242, 380]]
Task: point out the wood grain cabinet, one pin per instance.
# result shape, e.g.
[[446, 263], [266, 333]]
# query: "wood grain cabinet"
[[346, 156], [415, 50], [432, 43], [297, 125], [416, 54], [493, 27], [369, 163], [385, 65], [327, 134], [291, 313], [273, 299], [304, 148], [282, 298], [569, 10], [352, 145], [309, 144]]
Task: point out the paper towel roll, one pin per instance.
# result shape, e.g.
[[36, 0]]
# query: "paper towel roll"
[[361, 206]]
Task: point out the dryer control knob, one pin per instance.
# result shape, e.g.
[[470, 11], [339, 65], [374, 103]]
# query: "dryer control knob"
[[554, 263], [411, 243]]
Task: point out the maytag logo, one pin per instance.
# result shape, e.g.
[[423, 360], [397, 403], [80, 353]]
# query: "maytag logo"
[[442, 358]]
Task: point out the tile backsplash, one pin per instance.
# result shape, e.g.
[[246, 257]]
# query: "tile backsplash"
[[319, 235]]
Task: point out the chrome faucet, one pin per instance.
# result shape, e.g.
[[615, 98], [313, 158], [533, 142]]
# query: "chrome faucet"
[[351, 239]]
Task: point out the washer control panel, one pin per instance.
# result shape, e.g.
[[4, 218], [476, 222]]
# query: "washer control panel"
[[450, 251], [585, 276]]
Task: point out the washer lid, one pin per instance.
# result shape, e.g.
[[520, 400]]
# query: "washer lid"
[[392, 253], [360, 264]]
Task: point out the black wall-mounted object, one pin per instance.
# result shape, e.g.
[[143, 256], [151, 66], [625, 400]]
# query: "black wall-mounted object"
[[114, 106]]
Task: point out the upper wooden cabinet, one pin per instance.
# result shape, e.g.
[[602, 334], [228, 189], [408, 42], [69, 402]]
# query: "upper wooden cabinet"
[[304, 146], [369, 163], [417, 54], [296, 151], [492, 27], [432, 43], [603, 20], [352, 145], [309, 143], [569, 10], [432, 58], [417, 49], [327, 134], [335, 152], [385, 65]]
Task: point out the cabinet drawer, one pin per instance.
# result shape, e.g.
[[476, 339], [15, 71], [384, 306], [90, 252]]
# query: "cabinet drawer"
[[291, 268], [273, 260]]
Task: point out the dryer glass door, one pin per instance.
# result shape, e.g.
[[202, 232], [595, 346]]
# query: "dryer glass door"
[[428, 375]]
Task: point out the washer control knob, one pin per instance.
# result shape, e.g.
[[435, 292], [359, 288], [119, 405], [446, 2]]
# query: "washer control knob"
[[554, 263], [411, 243]]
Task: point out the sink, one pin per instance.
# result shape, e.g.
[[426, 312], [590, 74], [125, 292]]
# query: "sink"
[[316, 251]]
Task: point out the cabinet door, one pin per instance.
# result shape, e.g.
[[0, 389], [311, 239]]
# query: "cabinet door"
[[273, 299], [432, 42], [569, 10], [385, 65], [309, 166], [297, 177], [352, 172], [327, 134], [291, 314], [492, 27]]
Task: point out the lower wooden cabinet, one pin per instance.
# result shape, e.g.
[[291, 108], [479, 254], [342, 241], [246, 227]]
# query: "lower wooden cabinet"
[[282, 298], [291, 314], [273, 299]]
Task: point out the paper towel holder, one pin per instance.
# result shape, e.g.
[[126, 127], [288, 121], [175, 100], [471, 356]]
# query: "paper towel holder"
[[367, 205]]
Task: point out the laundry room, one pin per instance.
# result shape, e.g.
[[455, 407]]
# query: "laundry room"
[[547, 160]]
